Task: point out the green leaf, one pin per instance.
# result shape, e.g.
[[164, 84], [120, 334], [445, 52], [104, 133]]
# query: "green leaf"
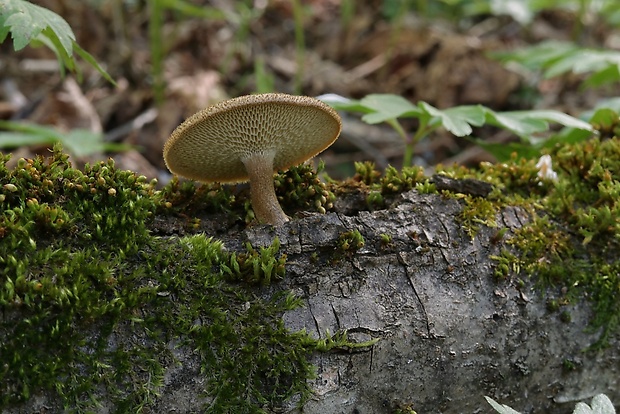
[[82, 142], [538, 56], [583, 61], [515, 123], [90, 59], [4, 30], [554, 116], [610, 74], [64, 60], [31, 129], [26, 21], [604, 118], [30, 24], [381, 107], [19, 139], [459, 119], [557, 58], [526, 123], [344, 104], [503, 151], [78, 142]]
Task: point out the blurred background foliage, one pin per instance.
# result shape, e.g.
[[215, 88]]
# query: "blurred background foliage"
[[147, 65]]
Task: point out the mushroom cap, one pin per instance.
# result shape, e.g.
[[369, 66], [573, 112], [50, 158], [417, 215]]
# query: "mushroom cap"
[[210, 145]]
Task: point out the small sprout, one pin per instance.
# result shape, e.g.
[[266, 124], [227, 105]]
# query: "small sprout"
[[426, 187], [569, 365], [366, 172], [374, 199], [499, 235], [257, 267], [10, 187], [351, 240], [545, 169], [566, 317], [553, 305], [301, 188], [386, 239], [314, 257]]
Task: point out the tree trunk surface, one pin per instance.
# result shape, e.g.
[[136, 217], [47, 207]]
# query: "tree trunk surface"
[[449, 332]]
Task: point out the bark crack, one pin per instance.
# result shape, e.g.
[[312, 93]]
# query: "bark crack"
[[446, 230], [403, 262], [316, 322], [335, 315]]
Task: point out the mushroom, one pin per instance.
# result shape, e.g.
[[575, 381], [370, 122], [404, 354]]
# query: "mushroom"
[[250, 138]]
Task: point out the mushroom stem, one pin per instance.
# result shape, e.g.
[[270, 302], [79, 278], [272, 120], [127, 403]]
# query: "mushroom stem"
[[264, 201]]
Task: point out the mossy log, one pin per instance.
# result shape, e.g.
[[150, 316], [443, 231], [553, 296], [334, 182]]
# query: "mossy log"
[[132, 301], [449, 331]]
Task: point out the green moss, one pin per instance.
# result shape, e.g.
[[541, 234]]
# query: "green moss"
[[91, 300], [385, 239], [350, 241], [405, 411], [394, 181], [477, 211], [79, 267], [574, 244], [375, 200], [299, 188], [186, 197], [365, 172], [573, 236], [256, 267]]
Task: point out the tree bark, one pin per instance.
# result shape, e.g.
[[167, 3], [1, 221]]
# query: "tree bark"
[[449, 331]]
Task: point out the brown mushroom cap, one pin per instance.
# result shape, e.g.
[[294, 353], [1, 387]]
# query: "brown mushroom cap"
[[210, 145]]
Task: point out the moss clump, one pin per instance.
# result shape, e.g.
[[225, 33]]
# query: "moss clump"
[[66, 247], [256, 267], [92, 304], [300, 188], [187, 197], [380, 188], [572, 239], [574, 243], [477, 211], [350, 241]]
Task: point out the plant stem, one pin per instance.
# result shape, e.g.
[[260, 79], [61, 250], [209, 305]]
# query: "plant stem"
[[300, 48], [347, 11], [155, 35], [410, 143]]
